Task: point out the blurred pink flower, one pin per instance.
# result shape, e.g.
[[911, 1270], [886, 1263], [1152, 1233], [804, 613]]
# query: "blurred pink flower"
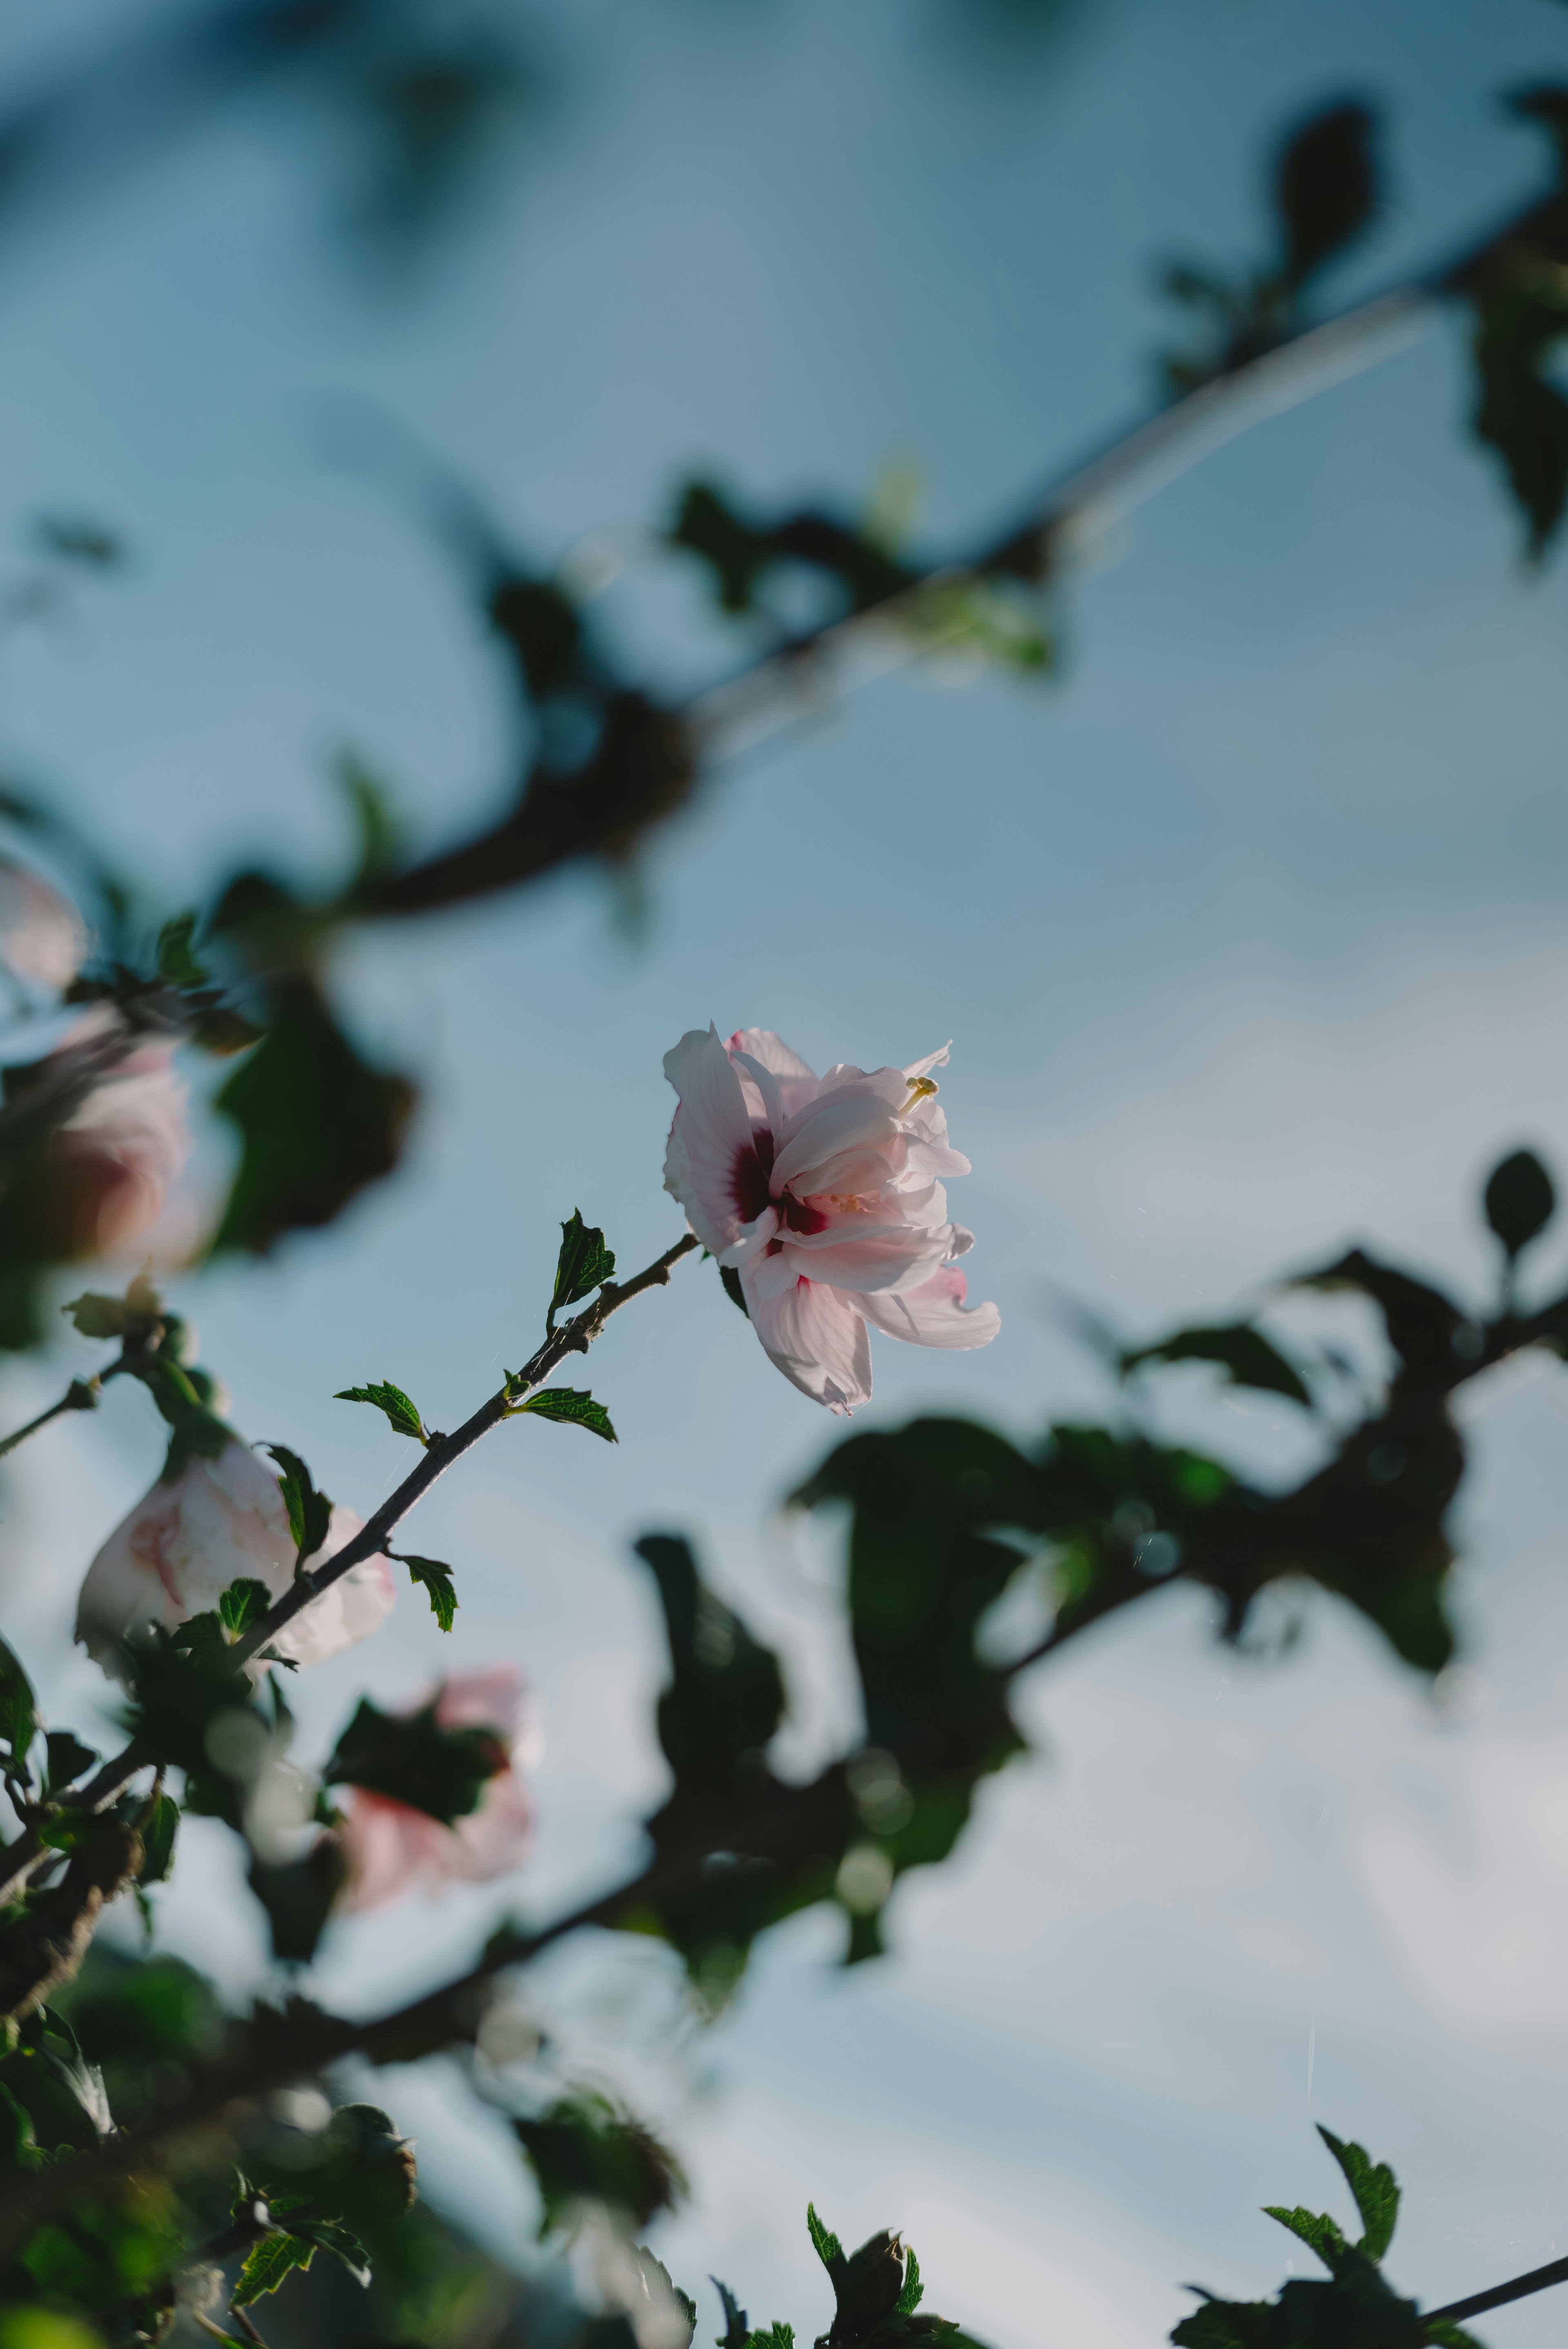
[[185, 1542], [823, 1194], [392, 1848], [112, 1163], [42, 936]]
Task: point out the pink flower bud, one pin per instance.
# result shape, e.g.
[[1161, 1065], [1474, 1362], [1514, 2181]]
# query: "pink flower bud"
[[218, 1522]]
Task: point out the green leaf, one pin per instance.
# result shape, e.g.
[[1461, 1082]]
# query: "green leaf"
[[379, 834], [267, 2263], [1316, 2230], [316, 1123], [725, 1693], [825, 2244], [299, 1895], [733, 1289], [572, 1407], [18, 1707], [587, 2150], [329, 2235], [779, 2335], [1520, 1200], [309, 1512], [244, 1603], [402, 1417], [1326, 188], [410, 1758], [176, 964], [1373, 2185], [69, 1758], [913, 2290], [158, 1834], [584, 1265], [736, 2330], [1421, 1322], [1242, 1351], [436, 1581]]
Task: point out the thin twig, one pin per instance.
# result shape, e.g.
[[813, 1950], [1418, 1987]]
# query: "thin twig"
[[1521, 2288], [82, 1395], [574, 1337]]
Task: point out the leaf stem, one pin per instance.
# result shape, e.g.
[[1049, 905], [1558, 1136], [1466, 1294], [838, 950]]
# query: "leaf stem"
[[82, 1395], [1520, 2287]]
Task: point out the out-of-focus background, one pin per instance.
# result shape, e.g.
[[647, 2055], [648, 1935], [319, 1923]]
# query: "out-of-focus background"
[[1247, 929]]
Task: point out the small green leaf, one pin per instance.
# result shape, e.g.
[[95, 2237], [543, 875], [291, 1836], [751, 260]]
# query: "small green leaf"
[[1315, 2229], [157, 1839], [913, 2290], [329, 2235], [733, 1289], [1373, 2185], [1326, 187], [437, 1580], [779, 2335], [69, 1758], [573, 1407], [1520, 1200], [18, 1706], [267, 2263], [402, 1416], [243, 1603], [826, 2244], [310, 1512], [584, 1265], [176, 964], [736, 2330]]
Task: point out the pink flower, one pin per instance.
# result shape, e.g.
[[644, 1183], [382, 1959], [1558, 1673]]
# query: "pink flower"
[[42, 936], [111, 1164], [392, 1848], [823, 1194], [220, 1520]]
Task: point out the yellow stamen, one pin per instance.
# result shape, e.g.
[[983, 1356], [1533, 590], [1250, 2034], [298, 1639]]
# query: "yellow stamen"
[[920, 1089]]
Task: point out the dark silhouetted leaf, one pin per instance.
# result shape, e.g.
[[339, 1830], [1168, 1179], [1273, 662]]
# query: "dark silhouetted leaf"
[[299, 1895], [1421, 1321], [1520, 1200], [410, 1758], [587, 2149], [401, 1416], [68, 1758], [736, 2329], [1326, 187], [1244, 1353], [733, 1289], [725, 1694], [160, 1833], [18, 1707], [316, 1122], [1315, 2229], [178, 964]]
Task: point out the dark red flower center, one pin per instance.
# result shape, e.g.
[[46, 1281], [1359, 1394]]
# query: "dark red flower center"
[[748, 1188]]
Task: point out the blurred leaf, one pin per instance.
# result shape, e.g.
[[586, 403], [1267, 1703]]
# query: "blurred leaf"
[[401, 1416], [177, 963], [1520, 1200], [299, 1895], [1374, 2186], [725, 1693], [18, 1708], [316, 1122], [1326, 187], [378, 833], [69, 1758], [309, 1512], [1251, 1360], [735, 2328], [584, 1265], [437, 1583], [267, 2263], [587, 2149], [329, 2236], [159, 1835], [573, 1407], [1421, 1322], [411, 1759]]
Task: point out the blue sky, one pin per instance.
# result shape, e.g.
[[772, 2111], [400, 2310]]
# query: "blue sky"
[[1247, 929]]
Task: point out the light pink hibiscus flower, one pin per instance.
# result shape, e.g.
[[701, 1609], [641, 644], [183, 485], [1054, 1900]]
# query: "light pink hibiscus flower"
[[392, 1848], [823, 1194]]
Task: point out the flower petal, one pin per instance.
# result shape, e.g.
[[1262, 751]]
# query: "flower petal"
[[348, 1611], [933, 1314], [797, 1079], [711, 1146], [820, 1343]]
